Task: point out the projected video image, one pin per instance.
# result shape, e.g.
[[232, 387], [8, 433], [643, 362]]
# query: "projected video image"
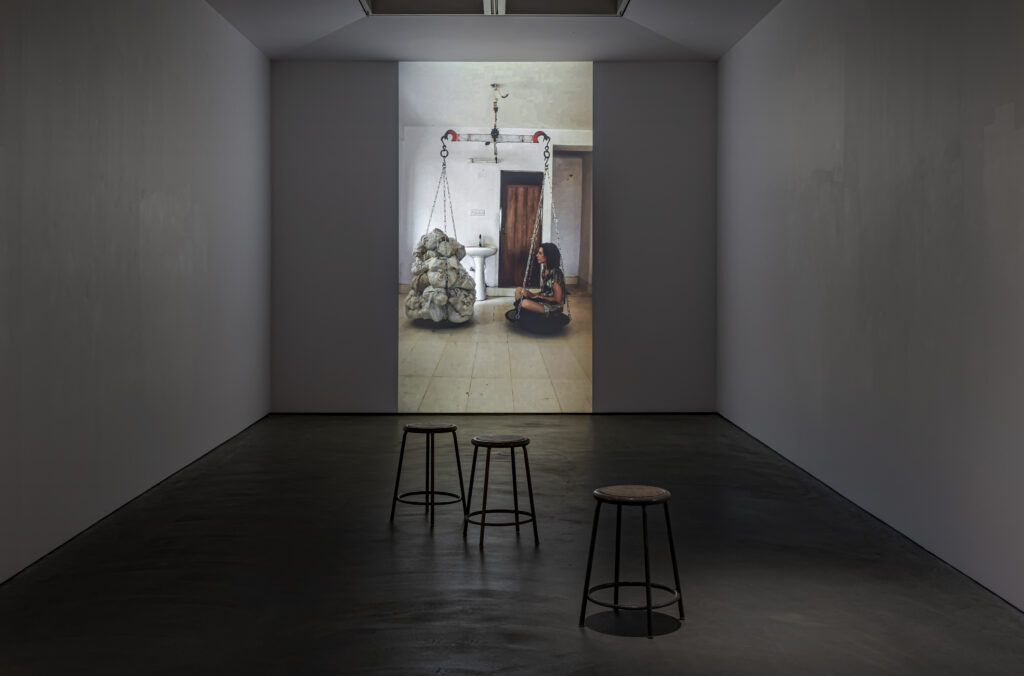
[[495, 257]]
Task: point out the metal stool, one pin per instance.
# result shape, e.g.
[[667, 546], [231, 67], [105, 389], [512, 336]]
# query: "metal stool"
[[511, 442], [429, 493], [631, 496]]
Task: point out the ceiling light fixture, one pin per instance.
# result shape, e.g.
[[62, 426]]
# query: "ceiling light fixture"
[[547, 8], [494, 7], [495, 137]]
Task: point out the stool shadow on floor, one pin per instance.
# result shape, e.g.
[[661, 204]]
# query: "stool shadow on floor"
[[632, 623]]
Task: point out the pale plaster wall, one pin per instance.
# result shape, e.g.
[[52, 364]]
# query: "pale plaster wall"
[[871, 287], [541, 94], [134, 254], [567, 187]]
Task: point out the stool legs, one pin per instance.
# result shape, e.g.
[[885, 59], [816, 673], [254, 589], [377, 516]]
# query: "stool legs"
[[515, 488], [469, 496], [433, 478], [618, 551], [426, 477], [646, 584], [458, 464], [675, 567], [483, 506], [398, 476], [590, 564], [529, 487], [647, 576], [517, 515], [430, 476]]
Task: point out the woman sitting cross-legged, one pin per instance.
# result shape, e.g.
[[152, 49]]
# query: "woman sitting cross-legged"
[[552, 285]]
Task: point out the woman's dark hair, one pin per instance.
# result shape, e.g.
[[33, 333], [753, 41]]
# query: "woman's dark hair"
[[552, 255]]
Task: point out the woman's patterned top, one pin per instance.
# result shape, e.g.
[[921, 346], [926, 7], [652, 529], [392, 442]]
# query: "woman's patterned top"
[[547, 288]]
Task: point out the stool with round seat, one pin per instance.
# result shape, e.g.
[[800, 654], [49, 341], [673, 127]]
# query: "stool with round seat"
[[632, 496], [429, 494], [519, 516]]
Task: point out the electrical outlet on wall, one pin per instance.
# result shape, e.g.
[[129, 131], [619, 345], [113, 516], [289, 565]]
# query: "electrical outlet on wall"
[[477, 212]]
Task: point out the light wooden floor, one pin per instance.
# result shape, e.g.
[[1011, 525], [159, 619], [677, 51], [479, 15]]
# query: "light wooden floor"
[[488, 366]]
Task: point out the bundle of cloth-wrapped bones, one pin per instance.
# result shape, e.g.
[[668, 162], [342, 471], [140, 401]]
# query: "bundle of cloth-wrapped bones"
[[441, 288]]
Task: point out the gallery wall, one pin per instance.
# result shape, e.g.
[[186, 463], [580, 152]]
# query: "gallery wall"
[[587, 223], [335, 238], [870, 288], [134, 254], [654, 185]]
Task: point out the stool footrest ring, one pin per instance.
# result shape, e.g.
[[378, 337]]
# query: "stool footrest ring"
[[404, 498], [488, 524], [619, 606]]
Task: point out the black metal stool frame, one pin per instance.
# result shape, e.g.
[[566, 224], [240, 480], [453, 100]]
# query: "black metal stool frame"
[[515, 511], [647, 584], [429, 493]]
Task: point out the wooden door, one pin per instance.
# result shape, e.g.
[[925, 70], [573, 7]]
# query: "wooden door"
[[517, 217]]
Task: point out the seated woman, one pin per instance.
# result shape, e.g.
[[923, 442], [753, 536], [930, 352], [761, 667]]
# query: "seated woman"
[[552, 284]]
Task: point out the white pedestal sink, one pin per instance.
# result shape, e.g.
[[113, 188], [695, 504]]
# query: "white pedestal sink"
[[479, 254]]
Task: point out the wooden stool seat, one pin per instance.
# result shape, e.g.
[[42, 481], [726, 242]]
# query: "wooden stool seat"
[[632, 495], [423, 428], [501, 441]]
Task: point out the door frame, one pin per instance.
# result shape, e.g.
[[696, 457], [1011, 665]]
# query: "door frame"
[[514, 177]]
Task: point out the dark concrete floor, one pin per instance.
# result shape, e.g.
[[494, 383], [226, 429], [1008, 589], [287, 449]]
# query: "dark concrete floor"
[[274, 555]]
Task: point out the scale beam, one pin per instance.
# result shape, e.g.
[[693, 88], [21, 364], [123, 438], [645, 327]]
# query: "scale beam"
[[452, 135]]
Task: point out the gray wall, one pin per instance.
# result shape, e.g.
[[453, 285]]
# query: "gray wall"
[[11, 154], [871, 287], [335, 211], [655, 140], [587, 225], [134, 254]]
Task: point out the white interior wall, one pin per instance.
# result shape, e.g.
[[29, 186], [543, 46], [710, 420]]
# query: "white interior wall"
[[541, 95], [871, 291], [476, 188], [134, 254], [567, 188], [587, 222]]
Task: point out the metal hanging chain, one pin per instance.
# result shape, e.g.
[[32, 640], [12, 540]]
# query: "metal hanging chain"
[[444, 203], [533, 245], [496, 92], [558, 240], [494, 130], [451, 208], [440, 181], [447, 207], [538, 219], [533, 238], [446, 196]]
